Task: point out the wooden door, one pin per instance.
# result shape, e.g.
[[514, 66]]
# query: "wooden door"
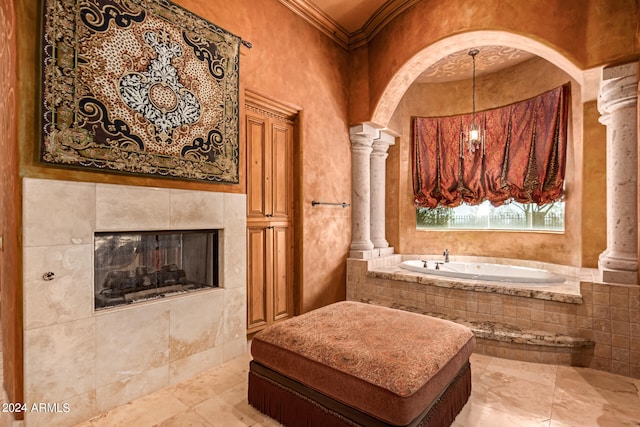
[[270, 213]]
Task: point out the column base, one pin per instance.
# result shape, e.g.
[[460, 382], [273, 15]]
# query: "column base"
[[371, 254], [380, 243], [617, 267], [361, 245]]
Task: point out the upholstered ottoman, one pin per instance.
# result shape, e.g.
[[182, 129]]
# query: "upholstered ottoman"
[[352, 364]]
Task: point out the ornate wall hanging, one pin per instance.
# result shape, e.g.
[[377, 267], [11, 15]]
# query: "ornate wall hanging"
[[139, 86]]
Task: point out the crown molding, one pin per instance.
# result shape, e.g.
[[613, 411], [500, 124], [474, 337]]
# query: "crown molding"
[[315, 16], [385, 14]]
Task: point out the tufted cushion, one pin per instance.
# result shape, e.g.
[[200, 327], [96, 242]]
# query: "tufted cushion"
[[388, 363]]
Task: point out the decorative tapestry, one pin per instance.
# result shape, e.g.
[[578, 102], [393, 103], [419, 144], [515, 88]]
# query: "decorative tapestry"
[[139, 86]]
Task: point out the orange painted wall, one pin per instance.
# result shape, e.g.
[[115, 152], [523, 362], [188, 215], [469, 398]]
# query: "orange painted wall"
[[10, 215], [514, 84], [594, 208]]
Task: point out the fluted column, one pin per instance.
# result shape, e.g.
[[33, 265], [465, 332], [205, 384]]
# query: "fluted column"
[[617, 104], [362, 137], [378, 179]]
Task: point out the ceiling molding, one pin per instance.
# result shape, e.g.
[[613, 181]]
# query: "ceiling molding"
[[387, 13], [312, 14], [316, 17]]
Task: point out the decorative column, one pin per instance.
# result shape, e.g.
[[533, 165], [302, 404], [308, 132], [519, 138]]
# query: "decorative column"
[[378, 179], [617, 103], [362, 137]]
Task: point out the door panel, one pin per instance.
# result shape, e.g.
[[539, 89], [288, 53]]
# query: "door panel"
[[258, 282], [282, 272], [282, 177], [256, 167]]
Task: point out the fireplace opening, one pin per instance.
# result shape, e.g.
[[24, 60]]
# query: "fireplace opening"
[[132, 267]]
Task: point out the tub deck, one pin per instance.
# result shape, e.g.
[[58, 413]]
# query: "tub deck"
[[569, 291]]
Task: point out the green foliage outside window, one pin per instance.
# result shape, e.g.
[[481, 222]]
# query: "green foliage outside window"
[[511, 216]]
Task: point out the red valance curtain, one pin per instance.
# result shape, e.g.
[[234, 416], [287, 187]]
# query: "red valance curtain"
[[525, 155]]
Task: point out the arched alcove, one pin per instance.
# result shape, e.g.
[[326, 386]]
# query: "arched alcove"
[[562, 248]]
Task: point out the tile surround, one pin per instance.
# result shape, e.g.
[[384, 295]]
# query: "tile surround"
[[100, 360]]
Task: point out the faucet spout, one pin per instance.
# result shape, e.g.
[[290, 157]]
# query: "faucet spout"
[[446, 255]]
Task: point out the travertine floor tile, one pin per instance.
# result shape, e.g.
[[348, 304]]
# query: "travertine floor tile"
[[502, 392], [478, 415], [505, 393], [150, 410], [583, 395], [186, 419]]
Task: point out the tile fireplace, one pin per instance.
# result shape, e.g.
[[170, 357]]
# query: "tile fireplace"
[[131, 267], [98, 359]]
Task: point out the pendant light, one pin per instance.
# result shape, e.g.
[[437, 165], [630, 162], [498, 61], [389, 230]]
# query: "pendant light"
[[472, 139]]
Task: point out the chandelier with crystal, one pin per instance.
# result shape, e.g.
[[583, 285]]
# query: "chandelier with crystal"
[[472, 139]]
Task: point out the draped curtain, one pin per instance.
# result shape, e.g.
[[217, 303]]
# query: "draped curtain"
[[524, 161]]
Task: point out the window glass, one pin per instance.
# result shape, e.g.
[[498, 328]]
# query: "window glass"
[[512, 216]]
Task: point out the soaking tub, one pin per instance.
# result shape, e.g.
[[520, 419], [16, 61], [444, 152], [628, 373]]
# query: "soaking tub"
[[483, 271]]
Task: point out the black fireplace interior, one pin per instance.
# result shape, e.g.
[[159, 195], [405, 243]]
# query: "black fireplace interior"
[[131, 267]]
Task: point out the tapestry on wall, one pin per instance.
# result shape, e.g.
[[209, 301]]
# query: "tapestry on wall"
[[139, 86]]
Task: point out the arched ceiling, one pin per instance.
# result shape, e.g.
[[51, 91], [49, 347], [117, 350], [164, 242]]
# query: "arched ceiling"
[[459, 65]]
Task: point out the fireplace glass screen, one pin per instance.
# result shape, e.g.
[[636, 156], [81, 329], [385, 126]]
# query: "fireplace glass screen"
[[131, 267]]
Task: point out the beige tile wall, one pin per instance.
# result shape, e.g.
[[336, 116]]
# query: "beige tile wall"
[[95, 361], [608, 315]]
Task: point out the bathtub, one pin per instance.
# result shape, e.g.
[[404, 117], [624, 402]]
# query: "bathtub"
[[483, 271]]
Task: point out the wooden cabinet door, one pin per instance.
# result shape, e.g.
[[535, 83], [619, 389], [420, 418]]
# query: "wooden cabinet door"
[[269, 275], [269, 159]]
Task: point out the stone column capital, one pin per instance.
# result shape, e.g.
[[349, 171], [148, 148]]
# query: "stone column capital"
[[382, 143], [362, 143], [618, 89], [364, 129]]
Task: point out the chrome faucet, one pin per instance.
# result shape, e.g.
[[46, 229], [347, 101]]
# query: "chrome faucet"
[[446, 255]]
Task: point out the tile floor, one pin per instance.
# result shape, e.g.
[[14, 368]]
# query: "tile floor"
[[506, 393]]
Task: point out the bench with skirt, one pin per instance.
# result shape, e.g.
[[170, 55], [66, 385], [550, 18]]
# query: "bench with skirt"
[[355, 364]]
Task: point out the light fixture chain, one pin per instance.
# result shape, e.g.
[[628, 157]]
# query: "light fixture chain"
[[474, 87]]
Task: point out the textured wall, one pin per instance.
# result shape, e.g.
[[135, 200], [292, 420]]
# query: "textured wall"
[[594, 207], [508, 86], [10, 218]]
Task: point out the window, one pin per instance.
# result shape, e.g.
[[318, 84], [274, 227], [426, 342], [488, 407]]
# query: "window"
[[511, 216]]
